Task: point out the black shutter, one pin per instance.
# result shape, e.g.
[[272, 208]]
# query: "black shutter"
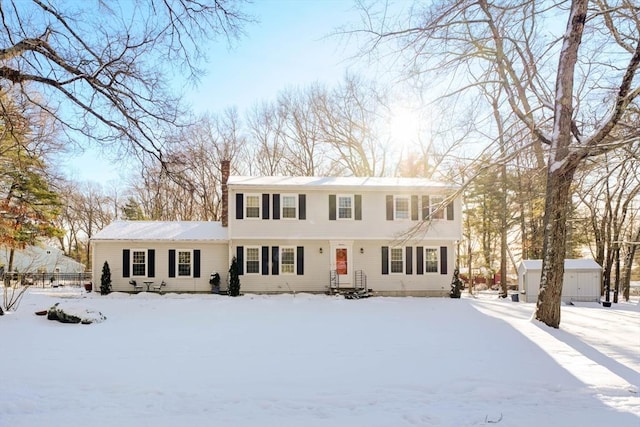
[[240, 259], [265, 260], [409, 259], [358, 202], [385, 260], [450, 211], [443, 260], [425, 207], [126, 263], [414, 208], [151, 263], [300, 260], [275, 260], [172, 263], [389, 208], [239, 205], [196, 263], [419, 260], [265, 206], [276, 206], [332, 207], [302, 206]]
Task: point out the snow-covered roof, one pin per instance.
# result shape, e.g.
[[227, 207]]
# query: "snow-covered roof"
[[337, 182], [163, 230], [569, 264]]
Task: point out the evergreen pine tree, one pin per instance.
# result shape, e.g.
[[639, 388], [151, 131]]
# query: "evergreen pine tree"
[[105, 279], [234, 278]]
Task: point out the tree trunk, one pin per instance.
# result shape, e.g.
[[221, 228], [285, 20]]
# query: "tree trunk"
[[616, 287], [12, 253], [503, 232], [562, 167], [554, 245], [469, 274]]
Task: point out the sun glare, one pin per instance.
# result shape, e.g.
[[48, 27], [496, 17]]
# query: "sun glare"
[[404, 126]]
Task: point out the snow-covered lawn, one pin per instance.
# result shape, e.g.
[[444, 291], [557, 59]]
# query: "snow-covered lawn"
[[311, 360]]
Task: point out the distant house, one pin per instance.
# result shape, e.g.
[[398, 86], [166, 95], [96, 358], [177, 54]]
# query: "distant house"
[[298, 234], [581, 280], [37, 259]]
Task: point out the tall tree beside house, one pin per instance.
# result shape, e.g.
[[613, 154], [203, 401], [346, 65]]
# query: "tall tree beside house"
[[28, 204], [105, 279], [570, 90], [234, 278]]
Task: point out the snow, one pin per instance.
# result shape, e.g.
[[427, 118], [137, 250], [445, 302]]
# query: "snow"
[[393, 183], [569, 264], [315, 360], [163, 230]]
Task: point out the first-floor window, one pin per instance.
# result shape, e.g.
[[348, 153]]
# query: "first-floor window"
[[287, 260], [184, 263], [431, 260], [397, 260], [253, 260], [139, 263]]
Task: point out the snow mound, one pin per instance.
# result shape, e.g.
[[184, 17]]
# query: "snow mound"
[[74, 313]]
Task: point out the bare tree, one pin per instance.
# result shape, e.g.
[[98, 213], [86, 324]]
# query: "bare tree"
[[266, 131], [85, 210], [305, 151], [347, 117], [608, 191], [573, 108], [98, 68], [187, 188]]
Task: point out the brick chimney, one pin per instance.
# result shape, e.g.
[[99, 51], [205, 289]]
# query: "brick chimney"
[[225, 166]]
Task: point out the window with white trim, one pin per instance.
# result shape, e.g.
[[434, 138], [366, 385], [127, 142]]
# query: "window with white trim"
[[252, 205], [430, 260], [287, 260], [252, 260], [184, 259], [396, 260], [401, 207], [289, 205], [436, 209], [138, 262], [345, 207]]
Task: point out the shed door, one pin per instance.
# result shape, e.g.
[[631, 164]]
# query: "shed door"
[[588, 286]]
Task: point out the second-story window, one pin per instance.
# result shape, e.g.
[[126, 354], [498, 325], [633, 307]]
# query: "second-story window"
[[437, 209], [401, 205], [252, 206], [345, 207], [289, 206]]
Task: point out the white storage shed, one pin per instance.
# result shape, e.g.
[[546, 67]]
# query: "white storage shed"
[[581, 282]]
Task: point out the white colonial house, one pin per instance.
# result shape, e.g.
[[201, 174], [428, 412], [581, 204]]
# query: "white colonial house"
[[395, 236]]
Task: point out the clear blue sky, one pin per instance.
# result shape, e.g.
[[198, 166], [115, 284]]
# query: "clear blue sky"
[[290, 46]]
